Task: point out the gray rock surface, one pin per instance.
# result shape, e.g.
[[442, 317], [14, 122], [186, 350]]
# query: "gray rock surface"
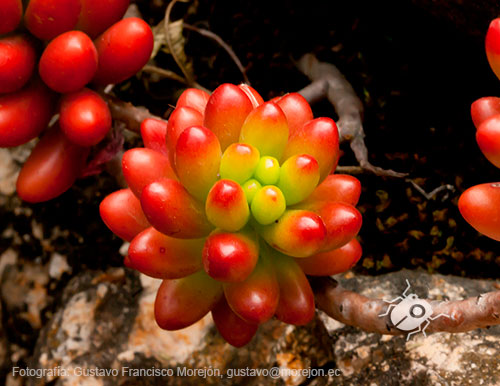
[[11, 161], [106, 322], [471, 358]]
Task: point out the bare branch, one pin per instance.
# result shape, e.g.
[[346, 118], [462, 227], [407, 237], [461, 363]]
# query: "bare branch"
[[173, 52], [432, 193], [315, 91], [328, 81], [164, 73], [357, 310], [349, 170], [173, 76], [223, 44]]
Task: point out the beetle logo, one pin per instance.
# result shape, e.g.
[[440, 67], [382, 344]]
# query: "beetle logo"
[[411, 313]]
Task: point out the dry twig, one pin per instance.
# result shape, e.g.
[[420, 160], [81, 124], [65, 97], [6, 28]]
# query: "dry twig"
[[164, 73], [224, 45], [432, 194], [328, 81], [187, 74], [172, 75]]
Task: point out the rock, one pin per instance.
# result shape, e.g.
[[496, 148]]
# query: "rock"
[[106, 323], [24, 287], [23, 295], [10, 165], [58, 266], [8, 173]]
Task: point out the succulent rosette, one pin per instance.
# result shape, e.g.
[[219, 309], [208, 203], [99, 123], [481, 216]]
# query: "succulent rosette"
[[232, 203], [480, 204]]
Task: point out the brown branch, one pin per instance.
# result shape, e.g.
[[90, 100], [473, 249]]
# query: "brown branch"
[[224, 45], [127, 113], [349, 170], [173, 76], [164, 73], [432, 194], [166, 22], [357, 310], [328, 81]]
